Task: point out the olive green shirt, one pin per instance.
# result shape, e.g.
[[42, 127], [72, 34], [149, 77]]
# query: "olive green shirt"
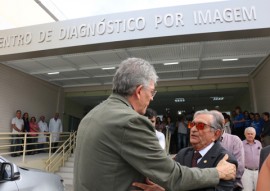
[[117, 146]]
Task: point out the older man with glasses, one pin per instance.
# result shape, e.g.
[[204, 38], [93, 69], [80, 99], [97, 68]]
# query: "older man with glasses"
[[117, 145], [206, 150]]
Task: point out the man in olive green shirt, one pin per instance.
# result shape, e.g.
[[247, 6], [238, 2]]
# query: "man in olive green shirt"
[[116, 144]]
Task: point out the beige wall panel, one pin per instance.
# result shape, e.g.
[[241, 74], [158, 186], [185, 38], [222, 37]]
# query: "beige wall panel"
[[29, 94], [261, 88]]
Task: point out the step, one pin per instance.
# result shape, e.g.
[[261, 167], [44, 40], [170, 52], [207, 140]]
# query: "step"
[[65, 175], [69, 164], [66, 169], [71, 159], [68, 182]]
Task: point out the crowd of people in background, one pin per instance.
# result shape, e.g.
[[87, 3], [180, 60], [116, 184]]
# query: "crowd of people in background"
[[243, 133], [37, 132]]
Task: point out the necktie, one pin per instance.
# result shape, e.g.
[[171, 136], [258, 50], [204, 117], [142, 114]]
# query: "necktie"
[[195, 157]]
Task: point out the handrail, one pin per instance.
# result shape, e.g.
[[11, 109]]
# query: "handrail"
[[58, 158], [167, 140], [5, 139]]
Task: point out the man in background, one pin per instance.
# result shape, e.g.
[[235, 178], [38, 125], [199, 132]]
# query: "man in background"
[[233, 144], [55, 127], [252, 149], [43, 129], [265, 135], [17, 127]]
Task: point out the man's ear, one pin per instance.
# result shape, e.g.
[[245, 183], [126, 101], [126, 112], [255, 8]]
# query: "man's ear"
[[138, 91], [218, 134]]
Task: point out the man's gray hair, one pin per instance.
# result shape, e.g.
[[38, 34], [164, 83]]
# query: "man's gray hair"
[[218, 119], [250, 129], [131, 73]]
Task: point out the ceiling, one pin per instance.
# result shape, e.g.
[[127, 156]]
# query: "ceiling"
[[196, 78], [196, 61], [196, 98]]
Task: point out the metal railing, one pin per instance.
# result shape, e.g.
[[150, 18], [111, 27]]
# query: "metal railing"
[[26, 144], [61, 155], [167, 140]]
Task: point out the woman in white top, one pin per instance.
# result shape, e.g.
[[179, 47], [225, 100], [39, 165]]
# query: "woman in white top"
[[43, 129]]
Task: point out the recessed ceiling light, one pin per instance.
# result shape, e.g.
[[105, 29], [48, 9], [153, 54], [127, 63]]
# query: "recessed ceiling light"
[[180, 112], [217, 98], [108, 68], [229, 59], [53, 73], [170, 63], [177, 100]]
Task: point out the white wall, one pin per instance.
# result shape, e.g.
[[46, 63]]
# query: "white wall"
[[260, 84], [21, 91]]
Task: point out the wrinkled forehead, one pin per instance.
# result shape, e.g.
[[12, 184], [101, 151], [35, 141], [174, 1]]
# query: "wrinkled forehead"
[[203, 117]]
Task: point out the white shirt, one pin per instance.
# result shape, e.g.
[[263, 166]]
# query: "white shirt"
[[18, 123], [205, 150], [55, 126], [161, 139], [42, 127]]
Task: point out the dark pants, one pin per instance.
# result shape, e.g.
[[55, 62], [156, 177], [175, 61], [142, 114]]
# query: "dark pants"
[[237, 189], [182, 141], [41, 146], [34, 146], [16, 139]]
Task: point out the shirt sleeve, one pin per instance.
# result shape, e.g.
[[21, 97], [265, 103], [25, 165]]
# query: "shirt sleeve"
[[238, 152], [13, 121]]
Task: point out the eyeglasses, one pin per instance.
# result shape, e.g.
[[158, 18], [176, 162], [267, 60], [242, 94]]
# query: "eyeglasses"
[[153, 93], [199, 125]]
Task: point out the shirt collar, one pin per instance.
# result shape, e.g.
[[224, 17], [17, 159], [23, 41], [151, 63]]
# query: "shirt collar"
[[122, 98], [206, 149], [254, 142]]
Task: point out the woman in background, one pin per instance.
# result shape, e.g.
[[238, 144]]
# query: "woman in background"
[[33, 134]]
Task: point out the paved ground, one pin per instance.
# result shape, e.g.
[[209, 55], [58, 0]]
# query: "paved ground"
[[69, 188], [33, 161]]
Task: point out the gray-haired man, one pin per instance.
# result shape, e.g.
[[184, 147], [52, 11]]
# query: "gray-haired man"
[[116, 144]]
